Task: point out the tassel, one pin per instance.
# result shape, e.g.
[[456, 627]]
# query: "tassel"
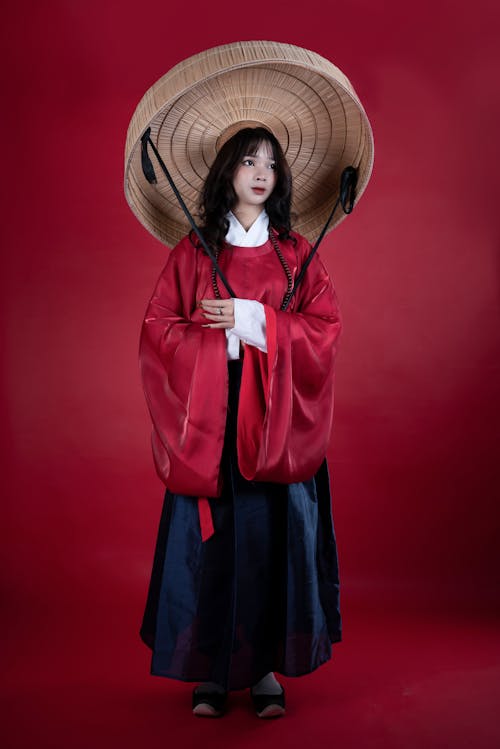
[[348, 182], [147, 165]]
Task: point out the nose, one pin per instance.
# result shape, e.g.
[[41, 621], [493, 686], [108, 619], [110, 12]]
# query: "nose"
[[261, 174]]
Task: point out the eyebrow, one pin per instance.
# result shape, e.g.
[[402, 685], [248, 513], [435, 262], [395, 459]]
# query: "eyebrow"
[[256, 156]]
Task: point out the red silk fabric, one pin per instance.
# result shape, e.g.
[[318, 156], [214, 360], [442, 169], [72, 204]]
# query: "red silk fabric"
[[286, 398], [206, 520]]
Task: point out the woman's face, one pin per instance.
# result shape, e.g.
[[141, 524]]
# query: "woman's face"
[[255, 178]]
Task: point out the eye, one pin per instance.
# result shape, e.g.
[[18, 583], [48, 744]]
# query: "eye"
[[248, 162], [272, 166]]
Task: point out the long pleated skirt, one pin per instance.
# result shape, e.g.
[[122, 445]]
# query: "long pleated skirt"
[[260, 595]]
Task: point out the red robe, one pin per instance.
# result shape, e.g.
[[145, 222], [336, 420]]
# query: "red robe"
[[286, 398]]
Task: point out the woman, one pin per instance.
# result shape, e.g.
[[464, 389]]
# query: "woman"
[[240, 391]]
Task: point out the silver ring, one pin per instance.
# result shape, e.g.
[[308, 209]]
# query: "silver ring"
[[220, 311]]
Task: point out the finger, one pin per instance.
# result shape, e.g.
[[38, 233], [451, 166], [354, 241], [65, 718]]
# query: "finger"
[[218, 311], [214, 310], [217, 303], [216, 317]]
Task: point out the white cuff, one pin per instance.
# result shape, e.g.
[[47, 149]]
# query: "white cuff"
[[249, 327], [250, 323], [233, 345]]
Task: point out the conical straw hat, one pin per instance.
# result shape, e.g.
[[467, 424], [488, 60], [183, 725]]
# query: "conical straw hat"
[[307, 102]]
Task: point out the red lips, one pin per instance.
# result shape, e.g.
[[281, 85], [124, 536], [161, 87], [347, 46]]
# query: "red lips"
[[258, 190]]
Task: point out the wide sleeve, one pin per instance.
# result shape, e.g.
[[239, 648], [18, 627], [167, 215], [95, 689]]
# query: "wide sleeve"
[[286, 399], [184, 375]]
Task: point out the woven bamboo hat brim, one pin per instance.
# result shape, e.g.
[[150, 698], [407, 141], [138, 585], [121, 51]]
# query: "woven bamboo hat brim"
[[307, 102]]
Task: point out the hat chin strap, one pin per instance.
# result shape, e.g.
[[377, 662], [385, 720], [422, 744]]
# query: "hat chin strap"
[[149, 173], [347, 194]]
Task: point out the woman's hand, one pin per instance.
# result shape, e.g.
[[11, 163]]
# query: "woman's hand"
[[220, 312]]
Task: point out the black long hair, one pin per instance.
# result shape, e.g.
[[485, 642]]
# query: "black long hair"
[[218, 196]]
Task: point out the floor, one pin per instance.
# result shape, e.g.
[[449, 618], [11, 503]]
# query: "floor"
[[76, 675]]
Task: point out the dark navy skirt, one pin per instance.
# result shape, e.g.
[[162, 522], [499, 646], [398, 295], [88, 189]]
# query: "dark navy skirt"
[[260, 595]]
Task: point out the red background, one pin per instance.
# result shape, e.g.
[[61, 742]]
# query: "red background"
[[414, 453]]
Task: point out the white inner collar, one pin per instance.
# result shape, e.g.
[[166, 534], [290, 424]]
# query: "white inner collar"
[[256, 235]]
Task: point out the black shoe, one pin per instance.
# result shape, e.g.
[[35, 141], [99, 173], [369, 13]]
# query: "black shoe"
[[269, 705], [208, 704]]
